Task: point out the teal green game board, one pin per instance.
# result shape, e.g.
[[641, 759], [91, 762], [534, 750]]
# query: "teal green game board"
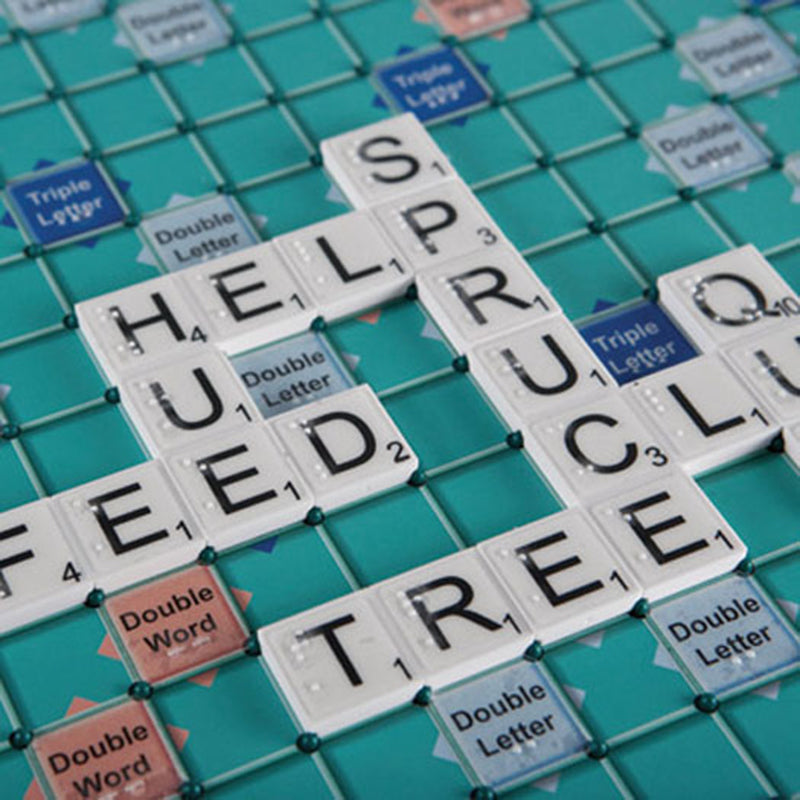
[[604, 144]]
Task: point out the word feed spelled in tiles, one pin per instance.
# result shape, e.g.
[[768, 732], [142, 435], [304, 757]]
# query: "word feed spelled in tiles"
[[739, 55], [706, 146], [198, 232], [284, 376], [165, 30], [728, 634], [433, 84], [64, 202], [41, 15], [510, 723], [636, 341]]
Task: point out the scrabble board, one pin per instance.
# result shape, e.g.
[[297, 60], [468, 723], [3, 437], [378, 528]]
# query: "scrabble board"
[[399, 399]]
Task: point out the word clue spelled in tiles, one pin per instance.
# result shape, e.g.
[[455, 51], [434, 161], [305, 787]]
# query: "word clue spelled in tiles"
[[454, 618], [337, 664], [130, 525], [346, 446], [40, 571], [727, 297], [510, 723], [176, 623], [727, 634], [383, 160], [65, 201], [561, 574], [670, 534], [475, 297]]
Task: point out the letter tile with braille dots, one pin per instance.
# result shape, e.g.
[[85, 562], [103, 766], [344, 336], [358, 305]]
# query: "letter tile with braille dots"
[[539, 369], [134, 327], [41, 573], [346, 447], [704, 412], [727, 297], [478, 296], [176, 402], [240, 485], [562, 575], [770, 365], [438, 224], [347, 263], [454, 617], [337, 664], [130, 525], [597, 449], [250, 298], [381, 161], [670, 535]]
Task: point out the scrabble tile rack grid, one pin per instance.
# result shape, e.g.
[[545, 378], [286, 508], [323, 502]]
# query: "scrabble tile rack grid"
[[39, 341]]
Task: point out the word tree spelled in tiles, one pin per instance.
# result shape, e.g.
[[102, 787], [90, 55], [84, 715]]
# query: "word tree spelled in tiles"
[[252, 431]]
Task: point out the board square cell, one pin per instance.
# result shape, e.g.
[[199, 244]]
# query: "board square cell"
[[433, 84], [115, 749], [39, 17], [65, 202], [284, 376], [177, 623], [163, 33], [510, 723], [728, 634], [636, 341]]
